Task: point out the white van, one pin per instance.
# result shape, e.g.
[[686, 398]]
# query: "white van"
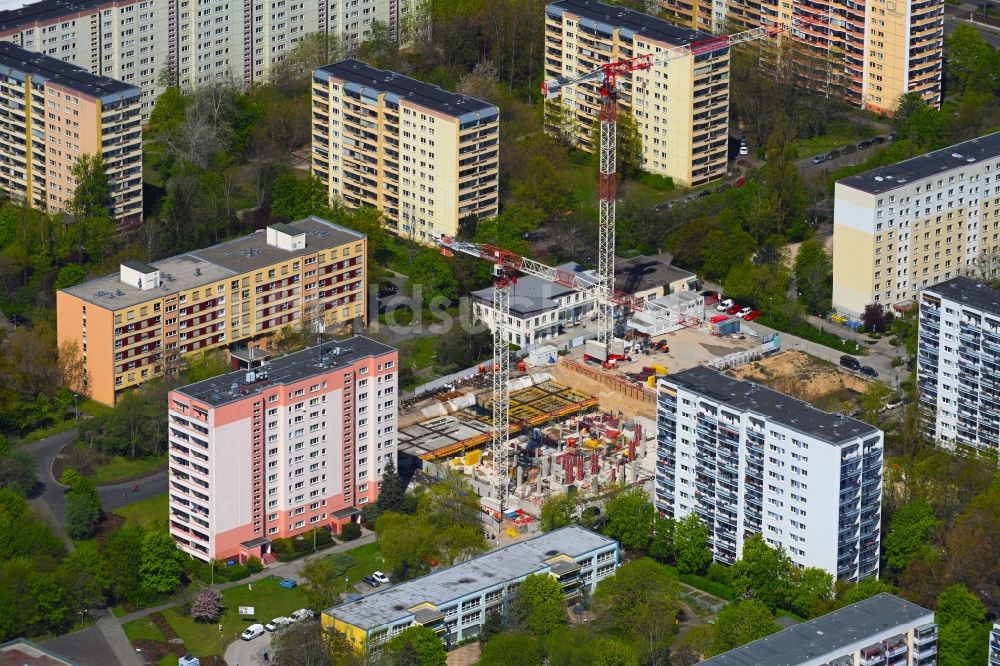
[[252, 632]]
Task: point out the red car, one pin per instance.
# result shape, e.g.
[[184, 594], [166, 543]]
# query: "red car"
[[733, 310], [753, 315]]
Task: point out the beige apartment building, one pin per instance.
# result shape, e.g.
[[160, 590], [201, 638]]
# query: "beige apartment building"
[[870, 53], [199, 41], [681, 108], [427, 158], [901, 228], [138, 324], [55, 112]]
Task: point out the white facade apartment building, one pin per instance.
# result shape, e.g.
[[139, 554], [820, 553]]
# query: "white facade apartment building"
[[202, 41], [958, 362], [901, 228], [276, 450], [750, 460]]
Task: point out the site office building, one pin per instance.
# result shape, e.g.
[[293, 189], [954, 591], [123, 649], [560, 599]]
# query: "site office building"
[[272, 451], [138, 324]]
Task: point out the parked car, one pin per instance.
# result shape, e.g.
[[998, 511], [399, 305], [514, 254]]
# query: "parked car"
[[288, 583], [850, 363], [278, 623], [710, 297], [849, 148], [303, 614], [891, 137], [371, 582], [867, 143], [744, 148], [733, 310], [744, 312], [833, 154], [869, 371], [724, 305], [878, 140], [252, 632], [753, 315], [819, 159], [381, 577]]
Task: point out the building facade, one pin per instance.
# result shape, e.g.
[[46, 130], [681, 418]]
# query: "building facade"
[[425, 157], [957, 353], [454, 602], [904, 227], [995, 645], [140, 323], [870, 53], [881, 631], [681, 108], [136, 41], [748, 460], [278, 448], [54, 114]]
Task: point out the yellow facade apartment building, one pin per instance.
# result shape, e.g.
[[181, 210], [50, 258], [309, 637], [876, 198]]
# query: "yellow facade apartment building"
[[54, 112], [137, 324], [425, 157], [901, 228], [868, 52], [681, 108]]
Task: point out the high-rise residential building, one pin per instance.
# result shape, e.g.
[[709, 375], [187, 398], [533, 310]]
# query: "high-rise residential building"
[[995, 645], [681, 108], [55, 113], [883, 630], [958, 353], [138, 324], [454, 602], [136, 41], [869, 54], [900, 228], [280, 447], [749, 460], [425, 157]]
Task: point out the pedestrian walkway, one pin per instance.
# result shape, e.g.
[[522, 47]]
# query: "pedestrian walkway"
[[113, 633]]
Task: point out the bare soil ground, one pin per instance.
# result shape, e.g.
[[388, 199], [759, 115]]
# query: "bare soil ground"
[[805, 377], [610, 400]]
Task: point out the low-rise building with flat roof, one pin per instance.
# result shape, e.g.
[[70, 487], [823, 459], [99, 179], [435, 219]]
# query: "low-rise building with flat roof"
[[453, 602]]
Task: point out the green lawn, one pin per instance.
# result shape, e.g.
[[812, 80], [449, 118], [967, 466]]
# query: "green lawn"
[[368, 558], [55, 429], [143, 629], [145, 512], [424, 351], [839, 133], [268, 599], [120, 468], [94, 408]]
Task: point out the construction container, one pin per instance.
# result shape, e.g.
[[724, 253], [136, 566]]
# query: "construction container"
[[651, 381], [544, 355], [659, 369], [729, 326], [473, 458]]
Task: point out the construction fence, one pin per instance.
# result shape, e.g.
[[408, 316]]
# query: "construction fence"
[[618, 383]]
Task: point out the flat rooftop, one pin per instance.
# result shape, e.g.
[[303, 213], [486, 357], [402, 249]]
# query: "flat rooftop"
[[927, 165], [642, 273], [285, 370], [373, 81], [45, 11], [200, 267], [608, 17], [51, 70], [434, 434], [829, 636], [969, 292], [22, 652], [441, 587], [746, 396], [532, 295]]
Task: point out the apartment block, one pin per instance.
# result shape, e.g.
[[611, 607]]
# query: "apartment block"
[[748, 460], [280, 447], [201, 42], [454, 602], [56, 112], [901, 228], [995, 645], [140, 323], [681, 108], [881, 631], [425, 157], [957, 353]]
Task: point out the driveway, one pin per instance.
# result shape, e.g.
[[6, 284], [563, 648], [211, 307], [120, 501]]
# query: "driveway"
[[249, 653]]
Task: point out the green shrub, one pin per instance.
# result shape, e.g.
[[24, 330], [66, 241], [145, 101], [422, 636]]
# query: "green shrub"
[[254, 565], [350, 532], [283, 546], [237, 572], [657, 182], [323, 537], [719, 573]]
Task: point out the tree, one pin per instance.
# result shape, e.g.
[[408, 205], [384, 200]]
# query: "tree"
[[122, 549], [380, 48], [85, 577], [908, 534], [863, 589], [433, 277], [324, 579], [962, 632], [557, 511], [811, 591], [782, 180], [630, 518], [92, 193], [662, 546], [763, 573], [874, 318], [390, 493], [493, 624], [539, 606], [303, 644], [874, 400], [814, 276], [511, 649], [629, 156], [639, 605], [294, 198], [207, 605], [765, 285], [969, 56], [691, 545], [744, 621], [161, 568], [420, 642], [83, 509], [17, 471], [482, 82]]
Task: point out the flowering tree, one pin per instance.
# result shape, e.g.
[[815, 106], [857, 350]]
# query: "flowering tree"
[[207, 605]]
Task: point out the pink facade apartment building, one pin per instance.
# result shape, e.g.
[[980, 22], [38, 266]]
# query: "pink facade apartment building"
[[277, 448]]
